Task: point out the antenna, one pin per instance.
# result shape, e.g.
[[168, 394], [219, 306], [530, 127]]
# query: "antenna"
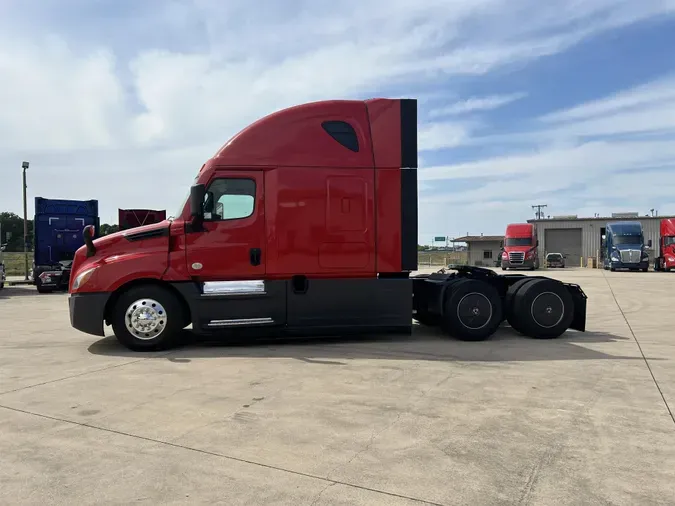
[[539, 213]]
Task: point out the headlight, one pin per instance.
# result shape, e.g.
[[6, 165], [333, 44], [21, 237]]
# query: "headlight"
[[83, 277], [615, 256]]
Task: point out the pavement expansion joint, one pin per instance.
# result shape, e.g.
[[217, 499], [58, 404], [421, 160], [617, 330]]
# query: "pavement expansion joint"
[[228, 457]]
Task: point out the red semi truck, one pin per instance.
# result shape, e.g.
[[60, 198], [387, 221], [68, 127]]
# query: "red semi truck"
[[520, 247], [132, 218], [665, 261], [303, 223]]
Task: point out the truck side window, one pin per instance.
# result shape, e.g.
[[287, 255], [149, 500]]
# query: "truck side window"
[[229, 199], [342, 132]]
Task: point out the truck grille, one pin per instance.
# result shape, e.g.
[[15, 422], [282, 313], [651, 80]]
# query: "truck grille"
[[517, 257], [630, 256]]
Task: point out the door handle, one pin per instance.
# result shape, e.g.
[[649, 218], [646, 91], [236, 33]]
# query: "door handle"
[[255, 254]]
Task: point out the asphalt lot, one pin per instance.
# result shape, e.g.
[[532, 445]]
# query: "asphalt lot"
[[583, 419]]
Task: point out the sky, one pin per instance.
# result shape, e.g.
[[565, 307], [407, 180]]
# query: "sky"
[[568, 103]]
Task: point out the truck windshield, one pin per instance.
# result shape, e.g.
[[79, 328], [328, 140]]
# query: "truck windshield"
[[627, 239], [518, 241], [669, 240]]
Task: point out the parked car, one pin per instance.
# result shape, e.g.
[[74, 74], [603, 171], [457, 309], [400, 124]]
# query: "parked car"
[[555, 260]]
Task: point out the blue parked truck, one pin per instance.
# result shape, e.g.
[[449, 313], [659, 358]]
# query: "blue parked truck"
[[58, 229], [625, 246]]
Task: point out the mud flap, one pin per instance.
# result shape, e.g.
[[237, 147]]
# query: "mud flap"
[[580, 299]]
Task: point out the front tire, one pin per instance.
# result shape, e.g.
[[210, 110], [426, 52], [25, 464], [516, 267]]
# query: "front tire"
[[148, 318], [472, 310]]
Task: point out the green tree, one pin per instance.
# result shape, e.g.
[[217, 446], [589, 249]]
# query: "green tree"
[[11, 227], [108, 229]]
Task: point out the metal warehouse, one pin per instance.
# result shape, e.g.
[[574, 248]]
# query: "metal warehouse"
[[582, 237]]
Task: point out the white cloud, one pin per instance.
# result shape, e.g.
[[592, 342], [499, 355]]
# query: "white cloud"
[[616, 152], [583, 161], [473, 104], [104, 107], [647, 95], [445, 135], [53, 100]]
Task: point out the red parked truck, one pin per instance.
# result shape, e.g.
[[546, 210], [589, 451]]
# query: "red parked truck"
[[303, 223], [132, 218], [665, 260], [520, 247]]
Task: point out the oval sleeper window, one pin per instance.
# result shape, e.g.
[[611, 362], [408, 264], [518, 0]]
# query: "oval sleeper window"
[[342, 132]]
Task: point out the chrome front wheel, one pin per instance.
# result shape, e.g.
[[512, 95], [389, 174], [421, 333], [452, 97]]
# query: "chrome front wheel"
[[146, 319]]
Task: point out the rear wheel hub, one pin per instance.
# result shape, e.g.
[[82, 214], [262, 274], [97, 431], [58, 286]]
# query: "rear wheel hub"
[[474, 310], [547, 309]]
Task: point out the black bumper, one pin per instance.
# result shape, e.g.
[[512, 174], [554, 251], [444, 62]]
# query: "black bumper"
[[87, 310], [525, 264], [644, 264]]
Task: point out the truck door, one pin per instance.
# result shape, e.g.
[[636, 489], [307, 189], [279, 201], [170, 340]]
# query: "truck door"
[[231, 245], [228, 258]]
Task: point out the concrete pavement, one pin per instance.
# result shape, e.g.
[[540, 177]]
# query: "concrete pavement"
[[583, 419]]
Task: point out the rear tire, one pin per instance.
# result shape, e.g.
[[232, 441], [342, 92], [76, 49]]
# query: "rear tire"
[[511, 315], [42, 289], [148, 318], [472, 310], [544, 309]]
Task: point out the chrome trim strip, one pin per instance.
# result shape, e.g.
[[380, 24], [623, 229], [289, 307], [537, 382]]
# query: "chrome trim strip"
[[234, 294], [240, 321], [248, 287]]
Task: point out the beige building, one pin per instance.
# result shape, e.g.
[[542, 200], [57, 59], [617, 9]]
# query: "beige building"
[[483, 250], [583, 237]]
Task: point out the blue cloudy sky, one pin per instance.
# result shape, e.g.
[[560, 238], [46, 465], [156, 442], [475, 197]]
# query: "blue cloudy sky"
[[569, 103]]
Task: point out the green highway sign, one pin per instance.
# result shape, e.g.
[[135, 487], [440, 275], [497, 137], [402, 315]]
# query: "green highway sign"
[[439, 239]]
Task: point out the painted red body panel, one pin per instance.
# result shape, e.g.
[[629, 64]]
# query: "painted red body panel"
[[320, 222], [322, 210], [385, 118], [388, 191], [667, 251], [289, 138], [120, 260], [177, 268], [520, 231]]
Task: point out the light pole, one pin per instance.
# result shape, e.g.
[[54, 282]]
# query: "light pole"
[[25, 165]]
